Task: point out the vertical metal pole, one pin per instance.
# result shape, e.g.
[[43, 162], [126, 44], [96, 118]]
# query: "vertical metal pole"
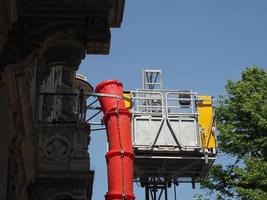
[[161, 80], [143, 79], [155, 193], [166, 191], [174, 188], [147, 193]]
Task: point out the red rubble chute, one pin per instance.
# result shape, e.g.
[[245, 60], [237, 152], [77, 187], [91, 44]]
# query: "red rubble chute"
[[120, 156]]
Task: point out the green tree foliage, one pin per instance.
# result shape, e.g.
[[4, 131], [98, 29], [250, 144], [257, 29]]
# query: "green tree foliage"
[[242, 125]]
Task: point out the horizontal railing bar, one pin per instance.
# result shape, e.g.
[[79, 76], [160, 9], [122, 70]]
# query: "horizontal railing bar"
[[94, 108], [148, 106], [98, 129], [95, 123], [164, 91], [176, 157]]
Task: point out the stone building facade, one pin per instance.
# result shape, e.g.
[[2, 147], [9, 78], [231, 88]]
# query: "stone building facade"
[[41, 158]]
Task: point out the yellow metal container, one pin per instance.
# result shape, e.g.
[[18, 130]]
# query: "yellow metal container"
[[128, 95], [206, 121]]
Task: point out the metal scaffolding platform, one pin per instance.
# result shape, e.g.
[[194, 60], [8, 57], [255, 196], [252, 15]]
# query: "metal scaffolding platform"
[[173, 135]]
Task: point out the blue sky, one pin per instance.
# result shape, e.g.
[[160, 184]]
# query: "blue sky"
[[197, 44]]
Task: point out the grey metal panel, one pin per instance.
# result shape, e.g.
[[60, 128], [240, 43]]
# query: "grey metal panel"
[[188, 133], [141, 131], [175, 125], [157, 132]]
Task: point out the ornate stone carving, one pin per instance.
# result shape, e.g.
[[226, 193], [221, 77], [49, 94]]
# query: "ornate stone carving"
[[57, 148], [28, 35]]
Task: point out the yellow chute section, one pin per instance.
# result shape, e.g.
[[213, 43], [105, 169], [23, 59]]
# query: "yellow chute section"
[[128, 95], [206, 121]]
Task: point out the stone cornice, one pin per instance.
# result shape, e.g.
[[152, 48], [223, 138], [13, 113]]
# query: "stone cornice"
[[88, 20]]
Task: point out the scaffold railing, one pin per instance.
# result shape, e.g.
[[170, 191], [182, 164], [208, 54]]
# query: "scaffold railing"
[[69, 108]]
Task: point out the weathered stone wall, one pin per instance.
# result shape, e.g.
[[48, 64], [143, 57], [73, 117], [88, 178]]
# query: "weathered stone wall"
[[29, 29], [4, 142]]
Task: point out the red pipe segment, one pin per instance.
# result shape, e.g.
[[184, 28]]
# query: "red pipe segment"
[[119, 197], [118, 129], [110, 87], [120, 156], [120, 171]]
